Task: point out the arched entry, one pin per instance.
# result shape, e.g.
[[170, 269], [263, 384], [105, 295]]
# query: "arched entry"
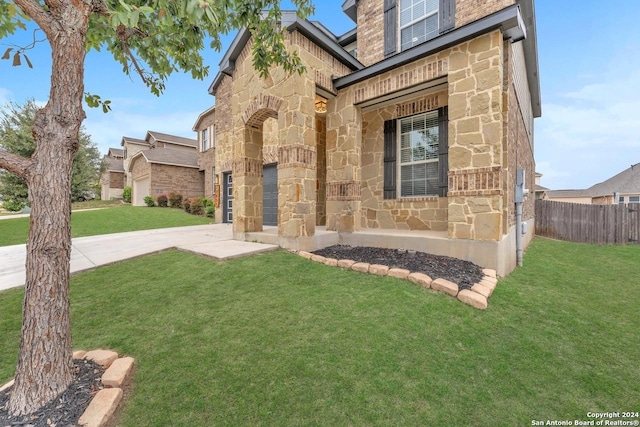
[[248, 170]]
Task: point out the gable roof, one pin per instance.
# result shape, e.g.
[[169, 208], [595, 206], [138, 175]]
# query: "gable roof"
[[136, 141], [317, 34], [171, 139], [168, 156], [627, 181], [114, 164], [115, 152], [568, 193], [202, 116]]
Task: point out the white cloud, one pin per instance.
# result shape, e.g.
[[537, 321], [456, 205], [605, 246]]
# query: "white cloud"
[[592, 132], [5, 95]]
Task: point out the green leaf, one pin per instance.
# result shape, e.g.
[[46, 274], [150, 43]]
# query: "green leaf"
[[26, 58]]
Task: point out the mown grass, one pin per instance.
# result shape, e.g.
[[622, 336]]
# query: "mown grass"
[[114, 219], [277, 340]]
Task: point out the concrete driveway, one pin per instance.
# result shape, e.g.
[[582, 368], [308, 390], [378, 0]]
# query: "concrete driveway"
[[213, 240]]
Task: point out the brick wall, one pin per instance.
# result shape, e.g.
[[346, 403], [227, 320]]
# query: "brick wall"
[[370, 31], [520, 151], [371, 23], [468, 11], [116, 179], [166, 179]]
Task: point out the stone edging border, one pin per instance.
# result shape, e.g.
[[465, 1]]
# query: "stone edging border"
[[476, 297], [117, 372]]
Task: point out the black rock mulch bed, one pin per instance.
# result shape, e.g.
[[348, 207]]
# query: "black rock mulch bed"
[[67, 408], [463, 273]]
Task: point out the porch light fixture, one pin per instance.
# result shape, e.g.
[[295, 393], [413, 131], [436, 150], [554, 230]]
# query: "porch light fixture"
[[321, 105]]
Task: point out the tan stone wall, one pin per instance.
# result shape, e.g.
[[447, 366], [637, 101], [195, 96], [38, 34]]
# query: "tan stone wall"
[[423, 213], [477, 139], [280, 112], [166, 179]]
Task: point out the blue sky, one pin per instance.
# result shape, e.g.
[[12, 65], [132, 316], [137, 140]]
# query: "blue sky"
[[589, 54]]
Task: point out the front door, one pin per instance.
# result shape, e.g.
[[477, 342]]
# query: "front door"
[[270, 194], [227, 188]]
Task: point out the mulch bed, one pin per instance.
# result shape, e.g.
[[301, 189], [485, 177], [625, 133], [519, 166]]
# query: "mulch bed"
[[68, 407], [463, 273]]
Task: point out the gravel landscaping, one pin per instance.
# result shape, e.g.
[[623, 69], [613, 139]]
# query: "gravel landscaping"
[[463, 273]]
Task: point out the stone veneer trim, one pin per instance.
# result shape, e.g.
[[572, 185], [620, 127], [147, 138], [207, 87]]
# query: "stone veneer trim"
[[290, 156], [475, 182], [344, 191]]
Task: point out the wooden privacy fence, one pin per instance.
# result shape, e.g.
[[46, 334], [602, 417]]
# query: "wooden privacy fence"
[[600, 224]]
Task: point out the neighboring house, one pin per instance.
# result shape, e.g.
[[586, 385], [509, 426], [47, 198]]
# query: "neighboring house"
[[417, 119], [131, 147], [158, 165], [539, 190], [161, 171], [205, 130], [623, 188], [113, 177]]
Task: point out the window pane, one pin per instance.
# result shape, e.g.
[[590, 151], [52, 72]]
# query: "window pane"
[[432, 6], [634, 199]]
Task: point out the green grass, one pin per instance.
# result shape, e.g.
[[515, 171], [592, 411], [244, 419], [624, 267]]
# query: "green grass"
[[114, 219], [274, 339]]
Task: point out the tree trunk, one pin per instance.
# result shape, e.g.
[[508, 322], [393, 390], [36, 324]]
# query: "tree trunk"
[[44, 367]]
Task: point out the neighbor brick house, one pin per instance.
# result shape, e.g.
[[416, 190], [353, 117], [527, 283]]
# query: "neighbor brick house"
[[412, 123], [161, 164], [113, 177], [622, 188]]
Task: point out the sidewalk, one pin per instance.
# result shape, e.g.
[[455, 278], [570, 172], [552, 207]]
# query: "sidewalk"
[[213, 240]]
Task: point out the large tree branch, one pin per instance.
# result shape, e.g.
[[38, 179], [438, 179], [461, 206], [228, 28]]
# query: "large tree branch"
[[35, 11], [17, 165]]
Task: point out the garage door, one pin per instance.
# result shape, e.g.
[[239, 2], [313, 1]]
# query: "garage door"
[[270, 194], [140, 190]]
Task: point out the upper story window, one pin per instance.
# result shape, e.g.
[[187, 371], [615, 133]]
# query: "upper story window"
[[418, 21], [415, 22], [204, 136]]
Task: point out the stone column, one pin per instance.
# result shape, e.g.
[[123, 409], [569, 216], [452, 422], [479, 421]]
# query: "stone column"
[[297, 164], [247, 183], [344, 150], [476, 139]]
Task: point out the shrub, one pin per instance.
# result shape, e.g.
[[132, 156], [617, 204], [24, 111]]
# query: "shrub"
[[126, 194], [149, 201], [162, 201], [175, 200], [208, 203], [186, 204], [209, 211], [197, 206], [13, 205]]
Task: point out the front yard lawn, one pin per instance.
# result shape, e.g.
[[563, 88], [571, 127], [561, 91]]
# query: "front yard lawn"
[[274, 339], [114, 219]]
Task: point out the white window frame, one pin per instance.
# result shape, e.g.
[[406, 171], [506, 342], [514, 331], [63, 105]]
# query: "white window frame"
[[636, 199], [204, 139], [399, 162], [413, 22]]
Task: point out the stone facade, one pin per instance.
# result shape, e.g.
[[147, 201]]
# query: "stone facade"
[[328, 139]]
